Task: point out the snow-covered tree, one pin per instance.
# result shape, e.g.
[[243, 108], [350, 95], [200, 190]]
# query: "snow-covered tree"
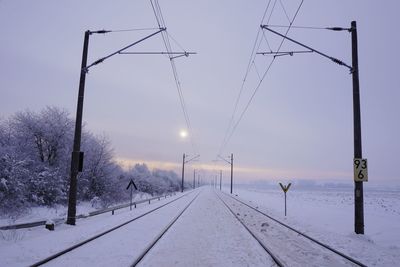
[[100, 173], [155, 182], [44, 137], [35, 158], [13, 172]]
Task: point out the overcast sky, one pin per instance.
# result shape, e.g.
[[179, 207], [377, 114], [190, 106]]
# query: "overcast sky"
[[299, 124]]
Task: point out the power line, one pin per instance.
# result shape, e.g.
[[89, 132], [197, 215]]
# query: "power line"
[[263, 77], [284, 10], [176, 42], [165, 36], [251, 59], [266, 40], [272, 10]]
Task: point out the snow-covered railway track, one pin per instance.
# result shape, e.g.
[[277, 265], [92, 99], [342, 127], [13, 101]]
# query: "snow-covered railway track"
[[160, 235], [274, 258], [289, 246], [89, 241]]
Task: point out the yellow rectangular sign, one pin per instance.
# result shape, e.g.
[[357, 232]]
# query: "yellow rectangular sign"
[[360, 170]]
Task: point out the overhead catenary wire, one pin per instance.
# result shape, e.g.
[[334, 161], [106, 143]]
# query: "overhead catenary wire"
[[175, 41], [165, 36], [251, 59], [160, 21], [262, 78], [272, 11], [266, 40], [284, 10]]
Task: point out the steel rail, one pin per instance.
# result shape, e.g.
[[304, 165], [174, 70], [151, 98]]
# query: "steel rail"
[[275, 258], [302, 234], [159, 236], [60, 253]]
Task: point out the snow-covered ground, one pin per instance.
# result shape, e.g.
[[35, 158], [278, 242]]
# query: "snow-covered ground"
[[328, 215], [208, 235], [28, 246], [58, 211]]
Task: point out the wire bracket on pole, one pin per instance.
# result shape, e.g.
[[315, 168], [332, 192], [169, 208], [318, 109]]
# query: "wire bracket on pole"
[[286, 53], [337, 61], [219, 156], [124, 48], [338, 29], [100, 31], [179, 54], [192, 159]]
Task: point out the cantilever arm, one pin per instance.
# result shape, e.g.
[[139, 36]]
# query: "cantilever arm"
[[337, 61]]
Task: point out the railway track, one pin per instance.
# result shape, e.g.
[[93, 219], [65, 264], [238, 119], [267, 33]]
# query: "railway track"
[[90, 240], [286, 245], [160, 235], [206, 235], [275, 259]]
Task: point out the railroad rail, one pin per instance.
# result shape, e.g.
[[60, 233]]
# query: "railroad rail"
[[71, 248], [313, 240], [160, 235], [80, 216], [275, 258]]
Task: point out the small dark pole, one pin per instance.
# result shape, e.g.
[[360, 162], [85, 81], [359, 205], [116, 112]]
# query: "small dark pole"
[[285, 203], [231, 172], [358, 189], [194, 178], [130, 206], [285, 188], [183, 170], [198, 180], [220, 180], [77, 138]]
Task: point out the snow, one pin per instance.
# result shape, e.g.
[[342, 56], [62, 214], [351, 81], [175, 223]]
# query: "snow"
[[207, 234], [328, 216], [286, 245], [120, 247], [26, 246], [41, 213]]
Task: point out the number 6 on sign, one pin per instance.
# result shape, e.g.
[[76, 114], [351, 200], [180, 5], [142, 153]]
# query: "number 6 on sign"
[[360, 170]]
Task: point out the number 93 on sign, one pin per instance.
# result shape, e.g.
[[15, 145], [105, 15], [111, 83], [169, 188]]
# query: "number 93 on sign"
[[360, 170]]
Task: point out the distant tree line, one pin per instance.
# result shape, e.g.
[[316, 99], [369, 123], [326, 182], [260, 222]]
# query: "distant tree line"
[[35, 154]]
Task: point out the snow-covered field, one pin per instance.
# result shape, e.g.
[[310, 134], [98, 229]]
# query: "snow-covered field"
[[208, 235], [328, 215]]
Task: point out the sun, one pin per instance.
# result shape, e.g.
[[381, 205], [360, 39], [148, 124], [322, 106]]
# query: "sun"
[[183, 133]]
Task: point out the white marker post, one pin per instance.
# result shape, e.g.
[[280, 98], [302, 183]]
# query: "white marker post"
[[285, 189]]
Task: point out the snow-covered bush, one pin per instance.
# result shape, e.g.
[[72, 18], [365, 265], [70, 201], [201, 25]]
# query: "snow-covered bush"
[[46, 187], [96, 203], [155, 182], [13, 173]]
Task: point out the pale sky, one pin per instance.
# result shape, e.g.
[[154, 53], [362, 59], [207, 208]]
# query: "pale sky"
[[299, 124]]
